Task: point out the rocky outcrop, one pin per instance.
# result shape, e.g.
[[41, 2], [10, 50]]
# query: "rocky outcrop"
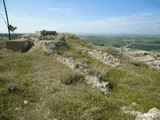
[[93, 80], [151, 58], [129, 110], [60, 45], [152, 114], [155, 63], [50, 45], [102, 56]]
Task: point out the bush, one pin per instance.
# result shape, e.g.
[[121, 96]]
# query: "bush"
[[116, 75]]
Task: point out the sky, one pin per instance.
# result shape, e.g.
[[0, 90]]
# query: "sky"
[[83, 16]]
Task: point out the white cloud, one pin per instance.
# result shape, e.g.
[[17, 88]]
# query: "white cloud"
[[144, 14], [54, 9], [128, 24], [64, 11]]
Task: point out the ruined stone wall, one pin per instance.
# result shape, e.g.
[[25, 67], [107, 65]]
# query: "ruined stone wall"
[[19, 45], [45, 33]]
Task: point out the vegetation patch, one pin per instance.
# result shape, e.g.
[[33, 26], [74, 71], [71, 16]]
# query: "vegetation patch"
[[36, 86], [69, 79]]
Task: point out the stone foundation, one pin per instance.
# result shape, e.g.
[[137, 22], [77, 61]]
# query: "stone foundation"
[[21, 45]]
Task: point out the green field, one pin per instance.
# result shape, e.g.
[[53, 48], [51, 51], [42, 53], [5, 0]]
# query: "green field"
[[143, 42]]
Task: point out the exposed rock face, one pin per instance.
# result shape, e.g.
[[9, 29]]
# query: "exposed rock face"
[[60, 45], [51, 45], [102, 56], [155, 63], [150, 58], [128, 110], [93, 80], [153, 114], [145, 58]]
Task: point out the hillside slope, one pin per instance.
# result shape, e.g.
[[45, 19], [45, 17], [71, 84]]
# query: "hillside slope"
[[53, 83]]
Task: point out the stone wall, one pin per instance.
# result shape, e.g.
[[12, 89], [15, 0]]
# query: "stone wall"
[[102, 56], [45, 33], [21, 45]]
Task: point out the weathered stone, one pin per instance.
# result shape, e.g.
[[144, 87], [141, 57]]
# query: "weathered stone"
[[146, 53], [62, 38], [134, 104], [158, 55], [102, 56], [51, 46], [60, 45], [93, 80], [25, 102], [153, 114], [128, 110], [103, 86], [18, 108], [81, 66], [22, 45]]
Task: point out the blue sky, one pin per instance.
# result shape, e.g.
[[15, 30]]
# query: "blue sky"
[[84, 16]]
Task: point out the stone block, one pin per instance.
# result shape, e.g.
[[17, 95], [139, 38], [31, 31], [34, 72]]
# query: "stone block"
[[21, 45]]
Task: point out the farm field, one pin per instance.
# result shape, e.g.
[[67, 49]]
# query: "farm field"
[[143, 42]]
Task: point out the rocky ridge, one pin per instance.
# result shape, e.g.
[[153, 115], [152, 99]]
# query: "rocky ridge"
[[102, 56], [96, 81], [52, 46]]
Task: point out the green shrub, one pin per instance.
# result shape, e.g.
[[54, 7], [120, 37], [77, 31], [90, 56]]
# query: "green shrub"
[[116, 75]]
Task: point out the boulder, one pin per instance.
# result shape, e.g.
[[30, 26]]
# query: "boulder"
[[60, 45], [103, 86], [153, 114]]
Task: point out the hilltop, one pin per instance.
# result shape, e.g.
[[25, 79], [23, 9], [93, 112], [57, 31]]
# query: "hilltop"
[[61, 77]]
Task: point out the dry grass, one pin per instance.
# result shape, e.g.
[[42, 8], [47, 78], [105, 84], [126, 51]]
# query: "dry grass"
[[37, 79]]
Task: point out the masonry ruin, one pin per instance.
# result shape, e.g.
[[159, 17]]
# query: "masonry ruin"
[[45, 33]]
